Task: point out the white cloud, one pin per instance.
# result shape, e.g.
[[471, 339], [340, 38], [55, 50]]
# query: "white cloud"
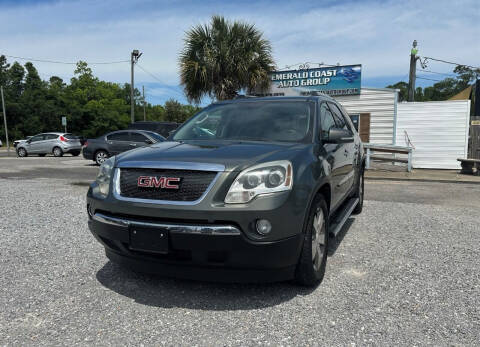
[[377, 34]]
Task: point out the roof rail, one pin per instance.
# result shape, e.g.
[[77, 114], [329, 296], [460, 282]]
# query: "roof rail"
[[313, 93]]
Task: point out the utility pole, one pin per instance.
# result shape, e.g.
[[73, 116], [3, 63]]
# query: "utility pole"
[[5, 121], [413, 71], [144, 113], [133, 59]]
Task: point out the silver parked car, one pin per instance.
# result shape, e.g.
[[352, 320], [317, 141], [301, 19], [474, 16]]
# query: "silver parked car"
[[55, 143]]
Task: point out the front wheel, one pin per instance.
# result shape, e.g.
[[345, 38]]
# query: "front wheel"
[[57, 152], [22, 152], [313, 260]]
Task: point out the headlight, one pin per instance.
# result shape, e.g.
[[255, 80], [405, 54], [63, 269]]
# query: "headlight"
[[266, 178], [103, 178]]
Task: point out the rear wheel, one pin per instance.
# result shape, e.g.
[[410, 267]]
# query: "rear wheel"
[[100, 157], [313, 260], [57, 152], [22, 152], [359, 193]]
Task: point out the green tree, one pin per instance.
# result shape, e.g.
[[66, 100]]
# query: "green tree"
[[222, 58], [403, 87], [92, 107]]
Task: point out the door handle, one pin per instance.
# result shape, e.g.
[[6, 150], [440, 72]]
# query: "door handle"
[[133, 144]]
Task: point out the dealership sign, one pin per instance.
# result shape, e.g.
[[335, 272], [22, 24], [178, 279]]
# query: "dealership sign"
[[336, 80]]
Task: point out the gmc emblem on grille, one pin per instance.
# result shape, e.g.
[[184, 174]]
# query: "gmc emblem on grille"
[[158, 182]]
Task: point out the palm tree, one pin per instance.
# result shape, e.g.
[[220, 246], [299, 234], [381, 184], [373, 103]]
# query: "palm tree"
[[222, 58]]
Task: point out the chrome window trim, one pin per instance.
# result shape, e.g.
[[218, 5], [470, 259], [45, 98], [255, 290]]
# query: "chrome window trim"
[[118, 196], [205, 229], [171, 165]]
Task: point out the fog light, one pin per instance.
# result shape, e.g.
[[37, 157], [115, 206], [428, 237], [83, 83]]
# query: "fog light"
[[263, 226]]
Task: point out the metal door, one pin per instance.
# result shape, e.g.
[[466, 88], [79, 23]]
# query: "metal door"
[[34, 145], [333, 154], [119, 142], [49, 142], [139, 140], [348, 150]]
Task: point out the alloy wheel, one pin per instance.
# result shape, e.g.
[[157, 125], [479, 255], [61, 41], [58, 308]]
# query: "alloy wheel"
[[318, 239], [101, 157], [21, 152]]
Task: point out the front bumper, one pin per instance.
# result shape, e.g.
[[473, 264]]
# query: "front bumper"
[[219, 252]]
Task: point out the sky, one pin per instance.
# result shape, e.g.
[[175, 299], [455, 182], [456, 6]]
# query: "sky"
[[376, 34]]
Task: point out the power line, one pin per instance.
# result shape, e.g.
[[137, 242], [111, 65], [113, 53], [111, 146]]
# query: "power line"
[[158, 79], [428, 79], [449, 62], [67, 63], [438, 73]]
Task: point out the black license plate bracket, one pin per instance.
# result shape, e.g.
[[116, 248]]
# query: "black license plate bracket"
[[150, 239]]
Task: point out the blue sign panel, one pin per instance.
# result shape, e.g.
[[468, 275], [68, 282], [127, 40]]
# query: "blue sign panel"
[[336, 80]]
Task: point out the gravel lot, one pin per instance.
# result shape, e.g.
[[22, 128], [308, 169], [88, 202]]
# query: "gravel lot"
[[404, 272]]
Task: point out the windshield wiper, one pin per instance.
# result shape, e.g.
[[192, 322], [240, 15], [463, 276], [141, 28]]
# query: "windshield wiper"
[[247, 139]]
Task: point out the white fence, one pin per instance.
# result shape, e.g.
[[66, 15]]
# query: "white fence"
[[438, 131]]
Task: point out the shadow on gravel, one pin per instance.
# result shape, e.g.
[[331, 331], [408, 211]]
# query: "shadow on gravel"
[[163, 292]]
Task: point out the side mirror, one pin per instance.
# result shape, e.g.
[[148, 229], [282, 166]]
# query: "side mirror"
[[338, 135]]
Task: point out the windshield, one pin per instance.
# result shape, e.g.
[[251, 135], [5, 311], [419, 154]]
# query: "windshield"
[[289, 121]]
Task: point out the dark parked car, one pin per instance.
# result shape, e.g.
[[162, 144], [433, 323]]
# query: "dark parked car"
[[248, 189], [116, 142], [162, 128]]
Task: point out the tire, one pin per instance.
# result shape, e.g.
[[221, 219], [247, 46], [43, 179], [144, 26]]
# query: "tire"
[[42, 154], [359, 193], [22, 152], [100, 156], [75, 154], [313, 259], [57, 152]]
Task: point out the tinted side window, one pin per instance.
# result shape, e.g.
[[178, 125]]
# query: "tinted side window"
[[342, 121], [119, 137], [37, 138], [137, 137], [327, 121], [338, 117], [50, 137]]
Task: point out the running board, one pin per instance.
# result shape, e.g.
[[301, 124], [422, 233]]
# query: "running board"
[[337, 223]]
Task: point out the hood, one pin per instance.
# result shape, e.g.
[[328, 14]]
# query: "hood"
[[234, 155]]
